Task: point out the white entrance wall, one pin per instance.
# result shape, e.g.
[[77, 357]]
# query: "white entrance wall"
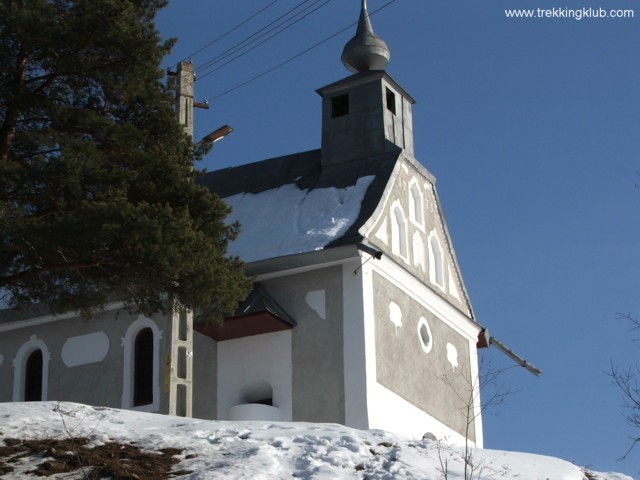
[[358, 333], [246, 362], [384, 409], [390, 412]]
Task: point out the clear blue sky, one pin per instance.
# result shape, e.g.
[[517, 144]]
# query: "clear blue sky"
[[532, 128]]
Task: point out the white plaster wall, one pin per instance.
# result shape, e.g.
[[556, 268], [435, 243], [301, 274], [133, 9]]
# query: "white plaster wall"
[[388, 411], [251, 359], [475, 370], [385, 409], [377, 406], [358, 325], [254, 412]]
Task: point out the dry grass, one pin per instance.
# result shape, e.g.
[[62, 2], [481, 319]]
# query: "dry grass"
[[118, 461]]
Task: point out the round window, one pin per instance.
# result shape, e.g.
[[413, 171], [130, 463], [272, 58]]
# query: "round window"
[[424, 334]]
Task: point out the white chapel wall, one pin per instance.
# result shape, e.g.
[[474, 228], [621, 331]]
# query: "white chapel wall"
[[410, 333], [255, 362]]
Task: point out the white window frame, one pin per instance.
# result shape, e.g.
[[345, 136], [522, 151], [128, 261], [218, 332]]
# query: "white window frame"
[[426, 347], [128, 342], [436, 261], [20, 366], [419, 251], [416, 204], [399, 232]]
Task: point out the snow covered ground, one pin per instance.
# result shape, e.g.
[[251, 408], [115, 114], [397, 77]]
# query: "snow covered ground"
[[257, 450]]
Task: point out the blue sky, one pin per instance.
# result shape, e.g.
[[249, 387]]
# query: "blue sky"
[[532, 128]]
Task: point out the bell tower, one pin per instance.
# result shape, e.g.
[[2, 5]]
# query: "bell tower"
[[367, 113]]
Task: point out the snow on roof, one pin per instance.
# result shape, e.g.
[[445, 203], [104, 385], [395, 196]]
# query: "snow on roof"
[[288, 220]]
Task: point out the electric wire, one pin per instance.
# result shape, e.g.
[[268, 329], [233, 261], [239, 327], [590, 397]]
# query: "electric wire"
[[283, 29], [250, 39], [294, 57], [290, 59], [247, 40], [231, 30]]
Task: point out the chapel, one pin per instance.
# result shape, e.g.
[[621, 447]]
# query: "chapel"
[[358, 315]]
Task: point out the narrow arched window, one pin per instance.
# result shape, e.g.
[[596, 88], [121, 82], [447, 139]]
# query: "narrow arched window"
[[31, 371], [415, 204], [398, 232], [33, 377], [141, 373], [436, 262], [143, 368]]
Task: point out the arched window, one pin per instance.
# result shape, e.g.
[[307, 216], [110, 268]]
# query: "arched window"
[[31, 371], [436, 262], [415, 204], [33, 377], [143, 368], [419, 251], [141, 375], [398, 232]]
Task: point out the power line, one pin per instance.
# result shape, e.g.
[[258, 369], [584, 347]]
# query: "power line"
[[250, 39], [286, 27], [294, 57], [231, 30], [247, 41]]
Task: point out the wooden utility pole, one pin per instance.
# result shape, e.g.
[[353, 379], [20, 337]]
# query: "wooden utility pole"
[[185, 96]]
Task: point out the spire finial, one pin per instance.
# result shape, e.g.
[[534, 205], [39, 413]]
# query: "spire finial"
[[365, 51]]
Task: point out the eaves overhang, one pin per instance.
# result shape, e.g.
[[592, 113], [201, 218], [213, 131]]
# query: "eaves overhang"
[[361, 79], [241, 326], [258, 314], [307, 260]]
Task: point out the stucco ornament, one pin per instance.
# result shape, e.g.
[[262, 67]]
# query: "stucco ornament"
[[316, 300], [452, 355], [395, 315]]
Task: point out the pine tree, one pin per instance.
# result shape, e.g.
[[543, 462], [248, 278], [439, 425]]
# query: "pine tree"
[[97, 183]]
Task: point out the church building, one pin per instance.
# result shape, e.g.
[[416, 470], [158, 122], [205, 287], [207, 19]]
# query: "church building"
[[359, 314]]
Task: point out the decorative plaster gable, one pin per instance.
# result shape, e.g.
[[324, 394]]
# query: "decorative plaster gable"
[[411, 190]]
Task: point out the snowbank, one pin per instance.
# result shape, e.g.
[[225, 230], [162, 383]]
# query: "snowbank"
[[266, 450]]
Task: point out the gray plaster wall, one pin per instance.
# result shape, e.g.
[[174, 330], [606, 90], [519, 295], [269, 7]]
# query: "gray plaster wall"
[[409, 173], [205, 376], [427, 380], [317, 342], [99, 383]]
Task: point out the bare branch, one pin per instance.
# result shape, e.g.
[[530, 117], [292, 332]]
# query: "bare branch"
[[627, 381]]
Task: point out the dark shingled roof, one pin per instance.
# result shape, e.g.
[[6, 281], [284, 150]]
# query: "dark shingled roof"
[[260, 301], [306, 172]]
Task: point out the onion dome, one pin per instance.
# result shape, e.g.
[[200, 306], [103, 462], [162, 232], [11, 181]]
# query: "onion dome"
[[365, 51]]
